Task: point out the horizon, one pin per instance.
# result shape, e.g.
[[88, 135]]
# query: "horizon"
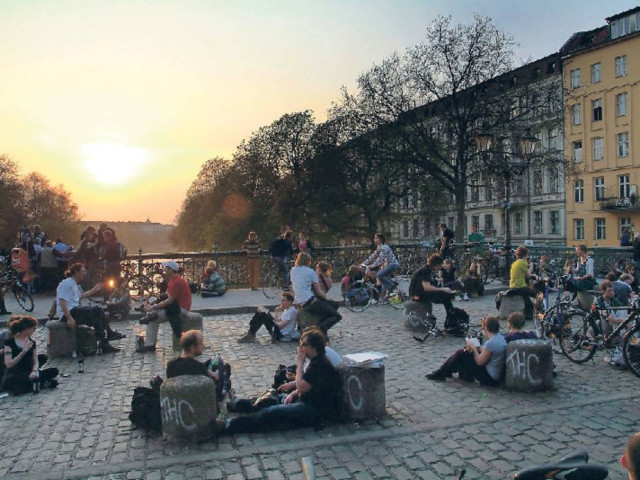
[[123, 102]]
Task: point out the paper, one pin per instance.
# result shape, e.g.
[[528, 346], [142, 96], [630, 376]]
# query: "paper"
[[474, 341], [368, 359]]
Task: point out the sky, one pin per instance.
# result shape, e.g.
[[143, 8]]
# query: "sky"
[[122, 101]]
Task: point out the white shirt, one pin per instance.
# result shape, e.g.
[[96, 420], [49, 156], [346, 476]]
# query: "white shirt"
[[69, 291], [302, 280], [289, 316], [334, 357]]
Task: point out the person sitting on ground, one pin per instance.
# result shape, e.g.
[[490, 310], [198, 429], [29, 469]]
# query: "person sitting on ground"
[[348, 285], [423, 286], [212, 266], [485, 363], [631, 270], [281, 328], [178, 301], [69, 310], [582, 274], [519, 281], [630, 459], [623, 292], [472, 282], [309, 296], [384, 258], [119, 303], [317, 397], [448, 279], [607, 300], [515, 322], [192, 344], [213, 285], [21, 362]]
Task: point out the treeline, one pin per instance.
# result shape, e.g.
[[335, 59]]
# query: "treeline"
[[31, 199], [342, 179]]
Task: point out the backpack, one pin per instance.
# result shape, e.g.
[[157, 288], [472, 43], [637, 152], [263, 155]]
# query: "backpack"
[[145, 409], [457, 322]]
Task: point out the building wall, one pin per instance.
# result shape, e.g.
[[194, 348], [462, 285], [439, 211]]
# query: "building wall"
[[612, 165]]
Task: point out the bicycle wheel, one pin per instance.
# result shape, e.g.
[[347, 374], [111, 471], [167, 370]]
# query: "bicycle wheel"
[[23, 297], [631, 349], [578, 339], [271, 287], [416, 320], [360, 300], [140, 288]]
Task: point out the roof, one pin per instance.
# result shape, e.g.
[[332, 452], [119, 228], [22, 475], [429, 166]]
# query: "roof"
[[585, 40], [622, 14]]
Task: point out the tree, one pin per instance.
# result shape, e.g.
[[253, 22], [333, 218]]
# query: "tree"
[[11, 207]]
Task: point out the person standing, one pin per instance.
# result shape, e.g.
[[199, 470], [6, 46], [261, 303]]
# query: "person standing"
[[446, 246], [252, 248], [48, 267], [281, 250], [475, 241], [304, 244]]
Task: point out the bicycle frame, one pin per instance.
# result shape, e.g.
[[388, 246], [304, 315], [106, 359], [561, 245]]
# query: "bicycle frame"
[[595, 315]]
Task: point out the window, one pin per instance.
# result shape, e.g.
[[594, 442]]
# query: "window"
[[578, 229], [488, 222], [601, 232], [597, 109], [405, 202], [575, 78], [416, 228], [475, 221], [517, 220], [450, 224], [595, 73], [622, 26], [576, 114], [577, 152], [552, 136], [623, 186], [553, 180], [554, 217], [598, 189], [598, 148], [578, 191], [625, 223], [405, 229], [621, 104], [475, 191], [621, 66], [488, 188], [623, 144], [537, 222], [537, 182]]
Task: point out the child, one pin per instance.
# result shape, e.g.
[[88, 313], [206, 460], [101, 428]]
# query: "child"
[[282, 327]]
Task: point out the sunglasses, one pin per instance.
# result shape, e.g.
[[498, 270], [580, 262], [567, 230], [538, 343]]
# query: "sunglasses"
[[304, 344]]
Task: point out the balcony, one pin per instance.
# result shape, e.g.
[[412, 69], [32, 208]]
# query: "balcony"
[[616, 203]]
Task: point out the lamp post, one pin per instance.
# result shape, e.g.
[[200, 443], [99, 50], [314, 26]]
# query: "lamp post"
[[528, 143]]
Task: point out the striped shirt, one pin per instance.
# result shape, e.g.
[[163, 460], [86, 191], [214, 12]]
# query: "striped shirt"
[[382, 256], [252, 248]]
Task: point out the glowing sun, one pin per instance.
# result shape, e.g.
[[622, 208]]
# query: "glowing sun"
[[113, 163]]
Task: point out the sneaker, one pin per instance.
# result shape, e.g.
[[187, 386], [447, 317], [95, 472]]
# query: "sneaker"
[[53, 383], [458, 298], [254, 289], [275, 337], [110, 349], [248, 338], [148, 348], [218, 426], [465, 297], [113, 335], [436, 376]]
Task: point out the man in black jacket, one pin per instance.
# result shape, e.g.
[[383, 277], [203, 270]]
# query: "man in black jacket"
[[281, 250]]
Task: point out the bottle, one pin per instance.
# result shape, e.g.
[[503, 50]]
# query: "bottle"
[[36, 383], [80, 364], [74, 354]]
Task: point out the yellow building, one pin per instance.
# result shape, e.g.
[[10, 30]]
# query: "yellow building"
[[601, 78]]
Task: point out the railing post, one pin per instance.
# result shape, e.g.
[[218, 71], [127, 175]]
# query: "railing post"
[[139, 260]]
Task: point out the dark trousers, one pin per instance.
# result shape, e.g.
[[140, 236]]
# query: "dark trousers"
[[474, 285], [266, 319], [437, 297], [456, 285], [18, 383], [326, 310], [278, 417], [92, 317], [283, 269], [464, 364], [526, 293]]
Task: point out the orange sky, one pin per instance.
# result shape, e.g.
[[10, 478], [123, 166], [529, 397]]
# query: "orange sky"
[[122, 101]]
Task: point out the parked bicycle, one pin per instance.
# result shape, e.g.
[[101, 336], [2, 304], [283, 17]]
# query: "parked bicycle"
[[10, 279], [272, 285], [581, 339], [364, 293]]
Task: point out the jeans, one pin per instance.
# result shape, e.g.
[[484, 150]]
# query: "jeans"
[[283, 269], [464, 363], [295, 415], [324, 309], [384, 277], [92, 317], [262, 318]]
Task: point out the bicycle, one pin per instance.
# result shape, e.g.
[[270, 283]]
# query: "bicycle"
[[580, 344], [364, 293], [272, 280], [11, 279]]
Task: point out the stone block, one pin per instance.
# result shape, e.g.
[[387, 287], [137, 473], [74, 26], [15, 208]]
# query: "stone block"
[[188, 405], [364, 392], [510, 304], [188, 321], [416, 315], [529, 366], [306, 319], [63, 341], [585, 299]]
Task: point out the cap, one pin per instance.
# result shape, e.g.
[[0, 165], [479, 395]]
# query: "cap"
[[172, 265]]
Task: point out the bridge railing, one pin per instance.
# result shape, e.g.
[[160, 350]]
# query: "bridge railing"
[[232, 264]]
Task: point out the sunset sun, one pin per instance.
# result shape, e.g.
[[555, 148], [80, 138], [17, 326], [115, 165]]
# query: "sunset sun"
[[113, 164]]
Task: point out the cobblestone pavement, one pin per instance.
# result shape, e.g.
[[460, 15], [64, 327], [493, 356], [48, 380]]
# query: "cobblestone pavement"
[[432, 430]]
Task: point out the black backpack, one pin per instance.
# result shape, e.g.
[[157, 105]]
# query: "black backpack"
[[145, 409], [457, 322]]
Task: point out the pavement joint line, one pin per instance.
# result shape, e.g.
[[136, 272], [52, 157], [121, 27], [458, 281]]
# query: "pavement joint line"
[[181, 459]]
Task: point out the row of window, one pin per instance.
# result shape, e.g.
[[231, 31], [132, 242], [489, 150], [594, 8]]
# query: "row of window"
[[625, 189], [600, 228], [518, 222], [622, 109], [596, 72], [597, 145]]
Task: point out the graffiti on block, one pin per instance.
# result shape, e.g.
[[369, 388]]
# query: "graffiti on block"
[[522, 363], [356, 395], [179, 412]]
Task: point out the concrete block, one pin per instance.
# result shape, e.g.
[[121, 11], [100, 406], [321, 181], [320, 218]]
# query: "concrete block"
[[188, 321], [508, 305], [416, 316], [364, 392], [306, 319], [188, 406], [585, 299], [529, 366], [63, 341]]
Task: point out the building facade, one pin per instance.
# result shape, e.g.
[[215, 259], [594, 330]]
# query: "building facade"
[[601, 74]]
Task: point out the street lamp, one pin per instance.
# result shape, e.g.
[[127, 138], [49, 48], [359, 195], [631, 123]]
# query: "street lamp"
[[528, 144]]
